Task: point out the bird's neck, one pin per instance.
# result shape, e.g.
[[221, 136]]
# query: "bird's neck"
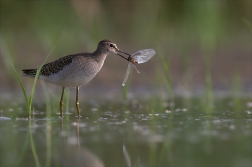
[[100, 55]]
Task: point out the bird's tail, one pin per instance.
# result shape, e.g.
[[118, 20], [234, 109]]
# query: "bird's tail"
[[30, 72]]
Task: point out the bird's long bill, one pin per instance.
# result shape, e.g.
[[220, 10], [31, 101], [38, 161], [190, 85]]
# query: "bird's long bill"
[[122, 56], [124, 53], [128, 59]]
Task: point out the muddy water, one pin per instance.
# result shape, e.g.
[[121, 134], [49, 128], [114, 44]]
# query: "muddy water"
[[185, 132]]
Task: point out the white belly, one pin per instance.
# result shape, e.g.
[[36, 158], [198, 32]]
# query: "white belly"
[[74, 74]]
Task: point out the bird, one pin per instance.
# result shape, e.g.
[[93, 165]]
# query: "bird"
[[75, 70]]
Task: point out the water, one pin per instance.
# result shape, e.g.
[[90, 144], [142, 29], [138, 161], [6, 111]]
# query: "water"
[[150, 133]]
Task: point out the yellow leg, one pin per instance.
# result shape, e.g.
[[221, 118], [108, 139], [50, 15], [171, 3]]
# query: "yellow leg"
[[77, 102], [61, 102]]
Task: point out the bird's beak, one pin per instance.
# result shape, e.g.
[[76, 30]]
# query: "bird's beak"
[[124, 52], [116, 49], [119, 51]]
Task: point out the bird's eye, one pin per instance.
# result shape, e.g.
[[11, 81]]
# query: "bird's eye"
[[111, 45]]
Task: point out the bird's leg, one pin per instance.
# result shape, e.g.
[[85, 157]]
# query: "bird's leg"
[[61, 102], [77, 102]]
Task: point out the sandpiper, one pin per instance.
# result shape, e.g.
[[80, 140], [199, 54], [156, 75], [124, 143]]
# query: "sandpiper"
[[75, 70]]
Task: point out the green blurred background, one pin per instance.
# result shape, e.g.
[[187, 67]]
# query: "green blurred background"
[[199, 43]]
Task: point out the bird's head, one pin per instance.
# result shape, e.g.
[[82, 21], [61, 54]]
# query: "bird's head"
[[107, 46]]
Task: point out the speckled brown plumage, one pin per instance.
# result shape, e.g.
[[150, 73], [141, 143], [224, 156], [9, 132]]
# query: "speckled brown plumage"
[[52, 67], [57, 65]]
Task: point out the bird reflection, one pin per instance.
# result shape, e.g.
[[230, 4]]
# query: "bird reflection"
[[76, 155]]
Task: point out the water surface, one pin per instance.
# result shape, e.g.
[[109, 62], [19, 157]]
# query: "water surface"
[[151, 133]]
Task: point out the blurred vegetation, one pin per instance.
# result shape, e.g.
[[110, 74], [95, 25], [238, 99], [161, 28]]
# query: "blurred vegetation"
[[205, 41]]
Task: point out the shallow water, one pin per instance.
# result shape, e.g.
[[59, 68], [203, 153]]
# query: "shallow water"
[[185, 132]]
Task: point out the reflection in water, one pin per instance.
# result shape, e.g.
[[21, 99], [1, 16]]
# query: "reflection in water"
[[76, 155], [128, 159], [126, 155], [107, 137]]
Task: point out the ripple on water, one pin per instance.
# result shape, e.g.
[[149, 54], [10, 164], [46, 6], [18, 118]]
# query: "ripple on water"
[[5, 118], [79, 124]]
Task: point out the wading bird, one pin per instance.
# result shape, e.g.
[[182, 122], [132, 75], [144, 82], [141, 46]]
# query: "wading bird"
[[75, 70]]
